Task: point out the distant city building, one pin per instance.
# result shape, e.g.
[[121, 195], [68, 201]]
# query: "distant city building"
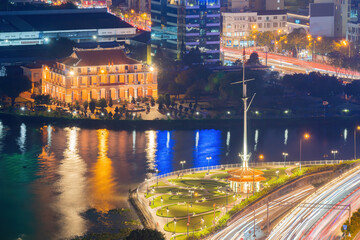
[[258, 5], [98, 73], [298, 20], [178, 26], [238, 5], [329, 18], [139, 5], [237, 25], [39, 27], [353, 32]]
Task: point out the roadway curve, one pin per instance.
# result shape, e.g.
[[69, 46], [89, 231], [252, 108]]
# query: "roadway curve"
[[290, 64], [311, 223], [242, 226]]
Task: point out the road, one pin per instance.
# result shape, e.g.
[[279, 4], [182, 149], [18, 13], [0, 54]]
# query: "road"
[[242, 226], [289, 64], [313, 220]]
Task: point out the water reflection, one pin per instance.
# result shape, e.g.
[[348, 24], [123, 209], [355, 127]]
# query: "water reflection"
[[22, 138], [164, 152], [134, 141], [2, 135], [345, 134], [209, 145], [286, 136], [72, 199], [151, 143], [256, 139], [228, 135], [103, 193]]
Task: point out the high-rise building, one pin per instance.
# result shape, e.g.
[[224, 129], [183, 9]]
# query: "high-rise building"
[[180, 25], [329, 17]]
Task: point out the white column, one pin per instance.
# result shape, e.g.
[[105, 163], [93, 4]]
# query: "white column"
[[135, 92]]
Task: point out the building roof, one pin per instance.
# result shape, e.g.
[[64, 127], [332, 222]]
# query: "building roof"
[[245, 172], [271, 12], [63, 20], [97, 57], [248, 179]]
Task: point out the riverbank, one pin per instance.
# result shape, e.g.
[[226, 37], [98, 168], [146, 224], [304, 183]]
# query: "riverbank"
[[184, 124]]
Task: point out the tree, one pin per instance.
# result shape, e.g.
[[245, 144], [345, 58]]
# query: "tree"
[[42, 99], [265, 39], [101, 104], [110, 102], [253, 59], [13, 85], [297, 40], [92, 105], [148, 234], [167, 100], [85, 105], [336, 59], [193, 57]]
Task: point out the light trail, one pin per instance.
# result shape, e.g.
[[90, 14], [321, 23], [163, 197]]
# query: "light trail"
[[298, 224], [242, 227]]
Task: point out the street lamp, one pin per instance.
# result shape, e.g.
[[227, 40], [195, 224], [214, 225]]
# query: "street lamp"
[[334, 152], [182, 165], [208, 158], [356, 129], [174, 226], [157, 177], [345, 43], [162, 200], [305, 137], [285, 155], [167, 215], [277, 174]]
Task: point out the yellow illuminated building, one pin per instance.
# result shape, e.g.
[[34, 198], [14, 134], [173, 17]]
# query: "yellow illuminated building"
[[98, 73]]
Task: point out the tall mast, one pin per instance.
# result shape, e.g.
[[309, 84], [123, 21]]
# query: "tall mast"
[[245, 156]]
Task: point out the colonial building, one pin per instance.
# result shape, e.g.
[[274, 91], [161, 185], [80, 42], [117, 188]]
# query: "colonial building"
[[98, 73]]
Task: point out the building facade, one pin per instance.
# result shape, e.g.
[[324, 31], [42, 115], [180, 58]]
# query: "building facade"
[[98, 73], [178, 26], [20, 28], [297, 20], [353, 32], [329, 18], [236, 26]]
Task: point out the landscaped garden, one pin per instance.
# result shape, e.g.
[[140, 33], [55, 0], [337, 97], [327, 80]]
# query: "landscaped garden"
[[207, 202]]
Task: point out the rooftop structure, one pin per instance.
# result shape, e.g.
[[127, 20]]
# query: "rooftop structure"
[[98, 73], [38, 27]]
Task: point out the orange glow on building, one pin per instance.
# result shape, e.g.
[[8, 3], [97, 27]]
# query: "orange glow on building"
[[98, 73]]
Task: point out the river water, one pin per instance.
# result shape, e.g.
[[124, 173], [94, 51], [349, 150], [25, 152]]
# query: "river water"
[[50, 176]]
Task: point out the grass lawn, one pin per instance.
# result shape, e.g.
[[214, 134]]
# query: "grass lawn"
[[208, 184], [271, 175], [172, 199], [195, 223], [196, 175], [170, 189], [220, 175], [200, 207], [160, 184]]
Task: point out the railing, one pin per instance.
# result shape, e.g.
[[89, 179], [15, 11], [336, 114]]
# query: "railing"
[[223, 166], [253, 164]]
